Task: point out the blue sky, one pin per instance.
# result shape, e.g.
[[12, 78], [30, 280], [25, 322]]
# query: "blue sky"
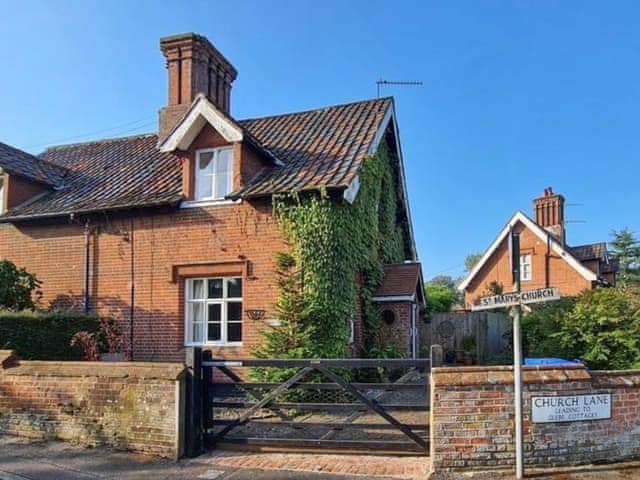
[[517, 96]]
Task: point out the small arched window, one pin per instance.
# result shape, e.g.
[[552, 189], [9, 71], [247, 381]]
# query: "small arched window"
[[388, 317]]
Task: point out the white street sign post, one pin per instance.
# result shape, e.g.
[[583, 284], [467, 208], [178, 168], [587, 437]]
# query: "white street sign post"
[[516, 300]]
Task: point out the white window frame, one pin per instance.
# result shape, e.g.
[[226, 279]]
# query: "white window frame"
[[352, 331], [214, 198], [223, 302], [526, 274]]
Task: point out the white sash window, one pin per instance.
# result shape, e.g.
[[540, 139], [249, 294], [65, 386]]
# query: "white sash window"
[[213, 311]]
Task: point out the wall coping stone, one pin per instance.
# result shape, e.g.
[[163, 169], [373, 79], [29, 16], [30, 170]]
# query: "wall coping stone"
[[502, 375], [146, 370], [616, 378]]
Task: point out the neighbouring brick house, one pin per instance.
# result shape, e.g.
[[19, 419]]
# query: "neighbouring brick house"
[[173, 233], [545, 258]]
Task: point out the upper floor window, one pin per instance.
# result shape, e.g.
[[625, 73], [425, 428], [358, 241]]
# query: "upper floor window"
[[213, 313], [214, 173], [525, 267]]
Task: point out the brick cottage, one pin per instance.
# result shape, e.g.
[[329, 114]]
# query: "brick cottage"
[[173, 233], [545, 258]]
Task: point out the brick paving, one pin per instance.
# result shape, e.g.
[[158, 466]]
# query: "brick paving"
[[366, 465]]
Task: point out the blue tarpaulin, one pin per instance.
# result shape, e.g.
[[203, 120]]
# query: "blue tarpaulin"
[[550, 361]]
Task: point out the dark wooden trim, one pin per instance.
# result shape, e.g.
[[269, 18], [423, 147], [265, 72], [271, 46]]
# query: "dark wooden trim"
[[300, 374], [333, 426], [373, 405], [333, 407], [391, 387], [331, 362]]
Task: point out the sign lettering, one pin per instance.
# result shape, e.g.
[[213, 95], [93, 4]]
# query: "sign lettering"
[[574, 408], [515, 298]]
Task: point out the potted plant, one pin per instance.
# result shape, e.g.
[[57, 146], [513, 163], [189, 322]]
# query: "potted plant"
[[468, 346]]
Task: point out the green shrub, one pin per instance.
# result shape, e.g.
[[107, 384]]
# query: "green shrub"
[[44, 335], [539, 329], [600, 327], [19, 289]]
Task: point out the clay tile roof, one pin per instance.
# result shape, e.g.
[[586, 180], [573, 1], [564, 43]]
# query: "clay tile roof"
[[109, 174], [14, 161], [593, 251], [317, 148], [399, 279]]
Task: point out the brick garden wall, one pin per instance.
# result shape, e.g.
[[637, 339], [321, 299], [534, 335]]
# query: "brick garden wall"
[[127, 406], [472, 421]]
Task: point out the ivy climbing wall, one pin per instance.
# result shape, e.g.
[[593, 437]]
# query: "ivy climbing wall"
[[334, 242]]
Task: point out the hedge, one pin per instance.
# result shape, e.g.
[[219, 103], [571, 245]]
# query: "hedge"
[[44, 335]]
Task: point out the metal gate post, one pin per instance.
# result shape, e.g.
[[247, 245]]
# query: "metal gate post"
[[194, 435]]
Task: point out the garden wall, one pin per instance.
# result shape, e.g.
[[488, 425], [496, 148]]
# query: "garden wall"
[[472, 419], [126, 405]]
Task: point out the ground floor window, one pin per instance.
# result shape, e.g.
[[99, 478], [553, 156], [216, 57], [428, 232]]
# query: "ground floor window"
[[213, 311]]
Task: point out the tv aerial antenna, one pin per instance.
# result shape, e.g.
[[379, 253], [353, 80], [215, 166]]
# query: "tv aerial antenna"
[[381, 82], [575, 205]]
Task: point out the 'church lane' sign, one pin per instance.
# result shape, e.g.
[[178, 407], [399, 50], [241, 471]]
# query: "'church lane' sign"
[[572, 408]]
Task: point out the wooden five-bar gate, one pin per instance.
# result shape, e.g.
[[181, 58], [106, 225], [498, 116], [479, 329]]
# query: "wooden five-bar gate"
[[365, 405]]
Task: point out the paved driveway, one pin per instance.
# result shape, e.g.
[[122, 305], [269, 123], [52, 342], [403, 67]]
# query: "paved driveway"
[[20, 460]]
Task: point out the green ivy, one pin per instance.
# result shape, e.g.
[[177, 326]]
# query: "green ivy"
[[333, 243]]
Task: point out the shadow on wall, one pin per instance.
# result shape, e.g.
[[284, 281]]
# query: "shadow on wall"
[[157, 336]]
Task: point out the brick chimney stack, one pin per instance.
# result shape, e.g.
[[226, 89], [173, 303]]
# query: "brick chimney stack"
[[194, 66], [548, 212]]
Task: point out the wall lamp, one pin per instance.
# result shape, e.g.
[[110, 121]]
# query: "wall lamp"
[[256, 313]]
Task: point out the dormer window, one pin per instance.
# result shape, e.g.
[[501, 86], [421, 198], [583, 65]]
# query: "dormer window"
[[214, 173]]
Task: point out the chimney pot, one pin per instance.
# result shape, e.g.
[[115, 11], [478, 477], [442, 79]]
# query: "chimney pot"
[[194, 66], [548, 212]]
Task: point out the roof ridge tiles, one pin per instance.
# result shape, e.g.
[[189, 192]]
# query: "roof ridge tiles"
[[318, 109], [63, 146]]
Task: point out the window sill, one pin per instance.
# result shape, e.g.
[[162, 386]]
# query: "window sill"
[[229, 344], [207, 203]]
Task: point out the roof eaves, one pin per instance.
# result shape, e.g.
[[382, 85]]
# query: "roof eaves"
[[8, 218], [403, 179]]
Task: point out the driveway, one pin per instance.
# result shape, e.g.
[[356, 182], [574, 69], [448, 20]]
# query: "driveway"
[[22, 460]]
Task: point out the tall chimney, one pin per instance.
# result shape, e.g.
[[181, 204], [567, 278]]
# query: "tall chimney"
[[548, 212], [194, 66]]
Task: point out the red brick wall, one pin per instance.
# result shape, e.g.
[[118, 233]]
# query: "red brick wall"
[[399, 332], [472, 422], [243, 232], [18, 190], [497, 268], [128, 406]]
